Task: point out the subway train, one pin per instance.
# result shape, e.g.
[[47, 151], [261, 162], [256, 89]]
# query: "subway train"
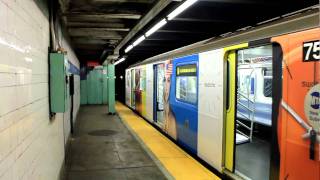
[[246, 102]]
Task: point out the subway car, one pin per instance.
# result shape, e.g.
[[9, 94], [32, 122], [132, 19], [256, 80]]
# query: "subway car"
[[246, 103]]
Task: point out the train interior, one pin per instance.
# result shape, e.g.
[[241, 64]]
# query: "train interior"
[[254, 109]]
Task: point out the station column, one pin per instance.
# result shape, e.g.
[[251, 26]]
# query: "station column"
[[111, 89]]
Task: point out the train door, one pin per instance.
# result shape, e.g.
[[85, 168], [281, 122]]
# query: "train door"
[[184, 100], [250, 126], [253, 117], [230, 59], [138, 91], [128, 87], [133, 87], [159, 79]]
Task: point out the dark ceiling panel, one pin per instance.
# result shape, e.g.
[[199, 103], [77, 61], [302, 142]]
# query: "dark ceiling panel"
[[98, 26]]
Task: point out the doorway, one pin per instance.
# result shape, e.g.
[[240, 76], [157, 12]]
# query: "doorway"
[[159, 79], [133, 87], [253, 118]]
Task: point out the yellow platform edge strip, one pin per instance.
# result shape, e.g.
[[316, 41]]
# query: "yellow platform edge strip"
[[178, 163]]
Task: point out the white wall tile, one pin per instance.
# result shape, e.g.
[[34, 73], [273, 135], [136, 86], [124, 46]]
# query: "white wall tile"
[[3, 17], [32, 147], [7, 79]]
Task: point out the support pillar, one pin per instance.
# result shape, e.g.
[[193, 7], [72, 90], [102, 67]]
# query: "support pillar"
[[111, 90]]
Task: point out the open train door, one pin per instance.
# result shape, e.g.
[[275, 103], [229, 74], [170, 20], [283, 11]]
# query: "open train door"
[[230, 64], [133, 87], [249, 126]]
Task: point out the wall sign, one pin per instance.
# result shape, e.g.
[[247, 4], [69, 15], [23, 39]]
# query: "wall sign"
[[311, 51]]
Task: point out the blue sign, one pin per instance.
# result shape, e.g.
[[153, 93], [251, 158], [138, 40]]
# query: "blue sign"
[[315, 100]]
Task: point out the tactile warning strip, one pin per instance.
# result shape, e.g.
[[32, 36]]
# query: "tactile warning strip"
[[177, 162]]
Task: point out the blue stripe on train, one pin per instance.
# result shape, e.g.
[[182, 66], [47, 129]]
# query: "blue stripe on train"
[[186, 114]]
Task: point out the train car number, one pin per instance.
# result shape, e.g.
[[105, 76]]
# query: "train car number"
[[311, 51]]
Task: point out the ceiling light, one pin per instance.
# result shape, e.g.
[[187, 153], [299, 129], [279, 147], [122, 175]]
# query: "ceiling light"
[[128, 48], [156, 27], [181, 8], [139, 40], [120, 61]]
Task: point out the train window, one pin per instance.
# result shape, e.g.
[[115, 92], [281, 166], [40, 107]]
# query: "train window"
[[255, 72], [142, 80], [228, 85], [267, 85], [186, 83]]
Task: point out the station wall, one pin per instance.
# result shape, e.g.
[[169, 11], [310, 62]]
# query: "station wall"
[[32, 145]]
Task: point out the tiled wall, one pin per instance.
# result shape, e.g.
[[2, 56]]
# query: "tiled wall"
[[76, 100], [31, 146]]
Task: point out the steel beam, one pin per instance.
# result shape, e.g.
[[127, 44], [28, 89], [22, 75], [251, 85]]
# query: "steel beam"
[[121, 1], [93, 41], [95, 25], [82, 33], [102, 16], [64, 4], [99, 29]]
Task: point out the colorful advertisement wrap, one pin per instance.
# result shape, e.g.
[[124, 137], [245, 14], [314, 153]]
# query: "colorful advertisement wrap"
[[140, 90], [170, 125], [298, 120]]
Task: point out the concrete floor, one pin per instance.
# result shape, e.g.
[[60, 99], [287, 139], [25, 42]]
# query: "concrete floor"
[[252, 159], [102, 148]]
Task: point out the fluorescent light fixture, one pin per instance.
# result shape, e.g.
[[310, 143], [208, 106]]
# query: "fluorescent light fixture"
[[128, 48], [139, 40], [156, 27], [120, 61], [181, 8]]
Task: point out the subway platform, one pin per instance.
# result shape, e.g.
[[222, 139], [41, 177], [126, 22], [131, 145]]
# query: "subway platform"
[[125, 146], [102, 148]]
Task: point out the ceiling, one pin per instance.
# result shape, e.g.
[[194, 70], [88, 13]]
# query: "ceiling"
[[98, 27], [209, 18]]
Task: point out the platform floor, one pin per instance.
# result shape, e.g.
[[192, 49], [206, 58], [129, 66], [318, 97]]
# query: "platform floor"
[[103, 148], [177, 162]]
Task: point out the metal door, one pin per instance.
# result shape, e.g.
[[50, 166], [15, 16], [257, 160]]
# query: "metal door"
[[158, 93]]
